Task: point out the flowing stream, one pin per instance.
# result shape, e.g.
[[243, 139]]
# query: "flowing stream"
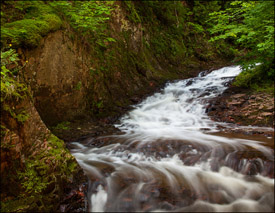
[[170, 156]]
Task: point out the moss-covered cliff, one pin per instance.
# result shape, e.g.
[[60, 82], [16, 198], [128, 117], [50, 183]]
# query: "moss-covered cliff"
[[36, 168], [83, 60], [78, 72]]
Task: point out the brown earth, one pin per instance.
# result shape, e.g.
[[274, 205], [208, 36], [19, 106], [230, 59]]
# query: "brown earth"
[[244, 107]]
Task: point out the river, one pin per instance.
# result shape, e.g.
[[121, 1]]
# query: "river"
[[170, 156]]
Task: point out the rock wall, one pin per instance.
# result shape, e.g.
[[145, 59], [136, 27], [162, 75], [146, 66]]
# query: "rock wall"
[[22, 136], [244, 107], [72, 80], [57, 72], [36, 168]]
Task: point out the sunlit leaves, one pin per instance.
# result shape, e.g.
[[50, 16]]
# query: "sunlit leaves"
[[248, 25], [89, 18]]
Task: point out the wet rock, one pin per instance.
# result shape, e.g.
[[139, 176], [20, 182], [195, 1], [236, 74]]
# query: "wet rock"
[[266, 114], [147, 208], [155, 192], [238, 96], [127, 205], [237, 105], [162, 154], [143, 198], [76, 199], [205, 94], [166, 206], [204, 73], [135, 99], [270, 108], [251, 170], [191, 81]]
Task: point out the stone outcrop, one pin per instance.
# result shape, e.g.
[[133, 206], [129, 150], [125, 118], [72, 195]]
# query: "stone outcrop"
[[28, 148], [243, 107], [72, 80], [58, 75]]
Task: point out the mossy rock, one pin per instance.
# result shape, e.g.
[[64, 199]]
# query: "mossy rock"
[[38, 21], [43, 179]]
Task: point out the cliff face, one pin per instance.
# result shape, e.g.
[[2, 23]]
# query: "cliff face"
[[18, 134], [58, 73], [71, 79]]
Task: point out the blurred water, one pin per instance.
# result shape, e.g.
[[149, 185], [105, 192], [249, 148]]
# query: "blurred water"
[[170, 159]]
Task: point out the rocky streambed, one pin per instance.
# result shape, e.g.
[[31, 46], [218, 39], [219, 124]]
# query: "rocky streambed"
[[245, 108], [167, 140]]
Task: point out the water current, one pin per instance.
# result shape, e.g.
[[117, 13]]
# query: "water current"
[[170, 156]]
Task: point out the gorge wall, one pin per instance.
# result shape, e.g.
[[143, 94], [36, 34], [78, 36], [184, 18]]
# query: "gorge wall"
[[71, 79]]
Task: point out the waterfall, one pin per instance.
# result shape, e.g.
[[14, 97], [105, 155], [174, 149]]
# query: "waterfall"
[[169, 157]]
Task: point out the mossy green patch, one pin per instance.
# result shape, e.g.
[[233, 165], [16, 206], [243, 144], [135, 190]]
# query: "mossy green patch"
[[62, 126], [38, 20], [132, 13], [12, 90], [43, 177], [89, 18], [252, 77], [78, 85]]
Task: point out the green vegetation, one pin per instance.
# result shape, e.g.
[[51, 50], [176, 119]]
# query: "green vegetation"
[[249, 27], [28, 23], [89, 18], [42, 178], [11, 88], [78, 85], [256, 78], [35, 179], [177, 31], [63, 126], [152, 34]]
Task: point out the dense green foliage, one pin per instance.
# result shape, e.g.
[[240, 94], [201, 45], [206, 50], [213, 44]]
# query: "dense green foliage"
[[177, 31], [29, 22], [87, 18], [249, 27]]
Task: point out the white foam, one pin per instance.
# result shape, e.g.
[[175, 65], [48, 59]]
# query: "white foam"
[[177, 113], [99, 200]]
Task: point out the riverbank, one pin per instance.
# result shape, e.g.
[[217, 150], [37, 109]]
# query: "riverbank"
[[244, 107]]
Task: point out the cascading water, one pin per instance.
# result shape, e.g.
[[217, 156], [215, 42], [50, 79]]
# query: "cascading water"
[[169, 157]]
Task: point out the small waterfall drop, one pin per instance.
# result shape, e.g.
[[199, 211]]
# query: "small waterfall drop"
[[169, 157]]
